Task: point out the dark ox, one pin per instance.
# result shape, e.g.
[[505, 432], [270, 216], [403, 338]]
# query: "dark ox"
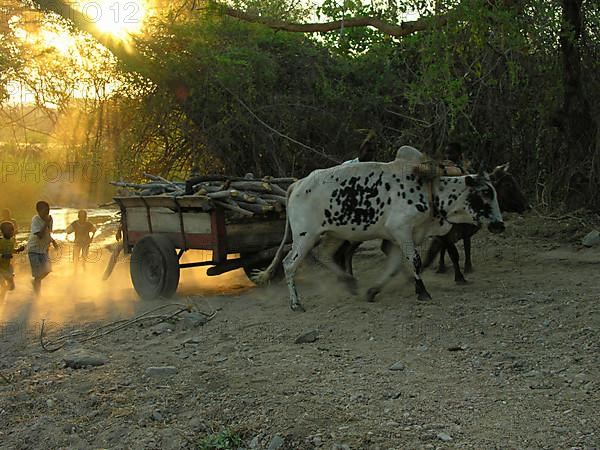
[[371, 200], [510, 199]]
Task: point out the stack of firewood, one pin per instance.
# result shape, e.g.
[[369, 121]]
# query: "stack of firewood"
[[247, 196]]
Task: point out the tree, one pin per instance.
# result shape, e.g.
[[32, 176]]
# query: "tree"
[[574, 119], [228, 88]]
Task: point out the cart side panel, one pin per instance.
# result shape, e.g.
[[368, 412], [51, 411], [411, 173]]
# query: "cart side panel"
[[165, 220], [197, 225], [192, 241]]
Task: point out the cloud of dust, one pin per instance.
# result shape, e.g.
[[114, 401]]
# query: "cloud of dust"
[[78, 297], [71, 297], [195, 281]]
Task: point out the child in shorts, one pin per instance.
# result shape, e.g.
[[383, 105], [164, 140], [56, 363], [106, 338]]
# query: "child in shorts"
[[7, 249], [40, 239]]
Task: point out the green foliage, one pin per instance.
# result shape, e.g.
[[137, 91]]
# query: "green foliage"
[[488, 76], [356, 40], [230, 96], [224, 440]]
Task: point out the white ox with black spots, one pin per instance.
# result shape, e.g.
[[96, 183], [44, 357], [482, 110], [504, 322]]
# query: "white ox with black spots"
[[373, 200]]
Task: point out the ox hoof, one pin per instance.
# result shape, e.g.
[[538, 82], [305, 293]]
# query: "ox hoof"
[[297, 307], [423, 296], [441, 269], [461, 281], [371, 294], [468, 269]]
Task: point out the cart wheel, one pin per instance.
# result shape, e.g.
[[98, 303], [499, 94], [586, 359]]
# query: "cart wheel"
[[249, 269], [154, 267]]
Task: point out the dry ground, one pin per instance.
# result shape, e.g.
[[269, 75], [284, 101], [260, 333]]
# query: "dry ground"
[[509, 361]]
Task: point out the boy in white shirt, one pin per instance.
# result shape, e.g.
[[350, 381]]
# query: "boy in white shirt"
[[37, 247]]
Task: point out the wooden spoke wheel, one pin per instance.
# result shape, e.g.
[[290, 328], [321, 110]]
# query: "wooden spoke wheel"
[[154, 267]]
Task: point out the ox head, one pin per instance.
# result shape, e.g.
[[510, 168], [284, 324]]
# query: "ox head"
[[510, 197], [482, 202]]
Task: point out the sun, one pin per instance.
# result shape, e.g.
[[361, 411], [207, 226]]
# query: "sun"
[[116, 18]]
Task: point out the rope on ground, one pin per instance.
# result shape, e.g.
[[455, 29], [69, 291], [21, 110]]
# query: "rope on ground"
[[111, 327]]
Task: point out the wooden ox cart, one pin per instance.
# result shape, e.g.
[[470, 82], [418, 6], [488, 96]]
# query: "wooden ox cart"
[[158, 229]]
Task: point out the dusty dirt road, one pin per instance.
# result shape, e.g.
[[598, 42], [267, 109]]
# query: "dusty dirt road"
[[509, 361]]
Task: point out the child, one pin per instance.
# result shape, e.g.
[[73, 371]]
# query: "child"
[[6, 217], [84, 233], [7, 248], [37, 247]]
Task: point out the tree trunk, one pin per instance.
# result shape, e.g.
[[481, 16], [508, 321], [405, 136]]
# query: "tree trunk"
[[575, 119]]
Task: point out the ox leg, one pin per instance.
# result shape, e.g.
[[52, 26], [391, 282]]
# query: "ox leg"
[[301, 247], [340, 255], [420, 289], [409, 253], [328, 250], [454, 257], [343, 256], [442, 266], [349, 256], [414, 259], [435, 247], [392, 267], [467, 245], [386, 246]]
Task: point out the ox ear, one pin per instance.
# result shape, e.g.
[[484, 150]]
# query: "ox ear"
[[470, 181], [501, 168]]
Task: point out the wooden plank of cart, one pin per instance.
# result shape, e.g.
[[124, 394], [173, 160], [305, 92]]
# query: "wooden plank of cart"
[[158, 230]]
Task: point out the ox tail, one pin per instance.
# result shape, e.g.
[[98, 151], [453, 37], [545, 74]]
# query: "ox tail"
[[262, 277]]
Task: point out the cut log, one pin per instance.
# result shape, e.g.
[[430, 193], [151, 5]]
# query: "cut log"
[[258, 209], [286, 181], [259, 200], [129, 185], [220, 195], [277, 198], [256, 186], [276, 206], [209, 187], [179, 185], [278, 190], [246, 197], [234, 207], [147, 192]]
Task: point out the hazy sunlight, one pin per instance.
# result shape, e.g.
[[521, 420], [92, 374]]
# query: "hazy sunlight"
[[120, 19]]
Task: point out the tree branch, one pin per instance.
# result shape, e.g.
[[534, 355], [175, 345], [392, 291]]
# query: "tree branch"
[[391, 29], [397, 30]]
